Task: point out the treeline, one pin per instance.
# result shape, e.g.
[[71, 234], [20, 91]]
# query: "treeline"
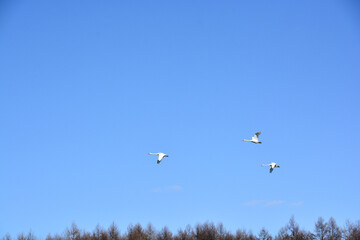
[[208, 231]]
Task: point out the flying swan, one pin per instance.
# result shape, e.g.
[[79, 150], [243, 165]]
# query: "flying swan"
[[160, 156], [272, 166], [254, 139]]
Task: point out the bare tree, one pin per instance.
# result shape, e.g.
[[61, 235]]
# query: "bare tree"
[[150, 232], [321, 230], [186, 234], [264, 235], [223, 234], [206, 231], [241, 235], [164, 234], [136, 232], [283, 234], [86, 236], [55, 237], [58, 237], [293, 227], [292, 232], [113, 232], [97, 232], [49, 237], [100, 234], [29, 236], [21, 236], [334, 232], [251, 236], [351, 231], [73, 233], [221, 231]]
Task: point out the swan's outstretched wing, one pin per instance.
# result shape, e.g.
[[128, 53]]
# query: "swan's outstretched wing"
[[256, 136], [271, 169], [153, 153]]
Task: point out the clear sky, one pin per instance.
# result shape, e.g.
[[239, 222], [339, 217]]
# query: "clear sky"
[[88, 88]]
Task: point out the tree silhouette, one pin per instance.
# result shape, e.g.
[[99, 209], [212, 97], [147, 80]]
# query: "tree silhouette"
[[264, 235], [351, 231], [207, 231], [292, 232], [113, 232], [136, 232], [164, 234], [321, 230], [186, 234], [150, 232], [73, 233], [334, 232]]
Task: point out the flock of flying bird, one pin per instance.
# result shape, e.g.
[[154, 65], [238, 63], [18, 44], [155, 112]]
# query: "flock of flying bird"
[[254, 139]]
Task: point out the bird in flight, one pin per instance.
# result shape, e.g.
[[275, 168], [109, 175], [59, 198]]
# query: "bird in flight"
[[272, 166], [160, 156], [254, 139]]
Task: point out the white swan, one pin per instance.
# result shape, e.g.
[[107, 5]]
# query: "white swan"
[[272, 166], [255, 138], [160, 156]]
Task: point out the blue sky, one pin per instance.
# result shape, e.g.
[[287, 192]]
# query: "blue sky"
[[87, 89]]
